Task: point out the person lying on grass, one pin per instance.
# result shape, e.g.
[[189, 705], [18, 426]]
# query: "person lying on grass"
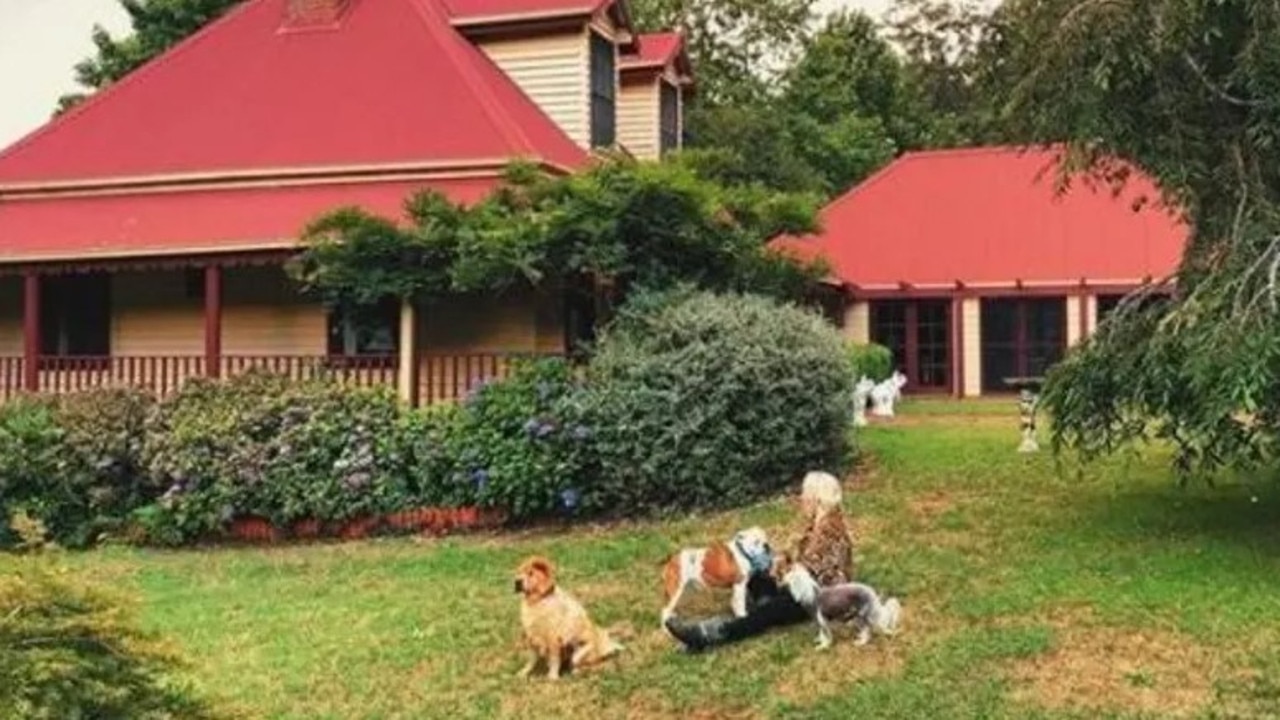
[[824, 546]]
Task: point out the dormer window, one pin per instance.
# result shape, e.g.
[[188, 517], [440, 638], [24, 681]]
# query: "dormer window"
[[669, 117], [604, 83]]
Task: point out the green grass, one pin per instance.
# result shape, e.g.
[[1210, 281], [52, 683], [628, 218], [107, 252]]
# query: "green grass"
[[1028, 593]]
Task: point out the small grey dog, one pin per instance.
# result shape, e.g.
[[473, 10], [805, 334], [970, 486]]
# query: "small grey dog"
[[855, 603]]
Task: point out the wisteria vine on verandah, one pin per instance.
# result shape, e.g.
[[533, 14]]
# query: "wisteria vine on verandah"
[[634, 223]]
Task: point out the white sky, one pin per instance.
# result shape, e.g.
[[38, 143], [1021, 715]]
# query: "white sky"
[[42, 40]]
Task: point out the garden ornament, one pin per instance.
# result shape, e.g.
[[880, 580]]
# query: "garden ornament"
[[1027, 401], [884, 395]]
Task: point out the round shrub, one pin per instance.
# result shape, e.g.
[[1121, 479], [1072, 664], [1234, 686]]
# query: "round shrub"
[[704, 400]]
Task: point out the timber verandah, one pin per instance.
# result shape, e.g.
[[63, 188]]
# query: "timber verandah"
[[418, 375]]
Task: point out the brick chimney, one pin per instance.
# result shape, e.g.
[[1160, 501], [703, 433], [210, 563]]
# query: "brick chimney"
[[302, 14]]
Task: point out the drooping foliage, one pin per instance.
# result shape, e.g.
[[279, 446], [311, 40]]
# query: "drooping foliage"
[[1190, 92], [636, 224]]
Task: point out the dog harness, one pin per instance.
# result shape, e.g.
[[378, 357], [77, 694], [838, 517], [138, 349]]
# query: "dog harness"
[[759, 562]]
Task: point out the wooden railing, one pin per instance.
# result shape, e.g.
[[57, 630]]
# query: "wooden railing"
[[11, 377], [362, 370], [441, 378], [448, 378], [161, 374]]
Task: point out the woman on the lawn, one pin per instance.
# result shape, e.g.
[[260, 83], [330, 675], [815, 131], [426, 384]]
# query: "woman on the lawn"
[[823, 546]]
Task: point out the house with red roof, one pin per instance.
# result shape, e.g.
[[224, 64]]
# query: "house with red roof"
[[143, 234], [975, 268]]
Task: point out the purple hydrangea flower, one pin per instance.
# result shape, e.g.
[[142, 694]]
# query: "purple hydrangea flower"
[[480, 478], [581, 433], [546, 428]]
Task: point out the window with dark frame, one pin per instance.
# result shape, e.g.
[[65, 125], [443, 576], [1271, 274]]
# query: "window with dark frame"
[[75, 316], [669, 114], [604, 82], [1021, 337], [918, 333], [365, 332]]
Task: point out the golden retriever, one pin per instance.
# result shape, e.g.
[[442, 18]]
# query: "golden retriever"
[[555, 625]]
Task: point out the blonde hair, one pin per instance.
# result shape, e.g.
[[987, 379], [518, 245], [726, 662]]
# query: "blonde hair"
[[820, 490]]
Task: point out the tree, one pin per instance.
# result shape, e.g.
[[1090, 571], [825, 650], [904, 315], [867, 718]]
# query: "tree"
[[157, 26], [737, 46], [1189, 91], [954, 70], [651, 225]]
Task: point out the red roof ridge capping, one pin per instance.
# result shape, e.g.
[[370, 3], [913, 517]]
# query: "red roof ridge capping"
[[206, 108], [653, 50], [992, 217], [481, 12], [134, 77]]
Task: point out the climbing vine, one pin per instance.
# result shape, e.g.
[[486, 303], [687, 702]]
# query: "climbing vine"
[[636, 224]]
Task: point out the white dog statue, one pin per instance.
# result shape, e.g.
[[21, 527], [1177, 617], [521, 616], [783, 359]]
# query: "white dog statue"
[[861, 392], [884, 395]]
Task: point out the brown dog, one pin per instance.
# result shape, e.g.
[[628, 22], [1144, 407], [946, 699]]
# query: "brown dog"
[[556, 625]]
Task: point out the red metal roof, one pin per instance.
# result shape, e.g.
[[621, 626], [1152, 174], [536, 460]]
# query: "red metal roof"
[[392, 83], [653, 49], [195, 221], [991, 216]]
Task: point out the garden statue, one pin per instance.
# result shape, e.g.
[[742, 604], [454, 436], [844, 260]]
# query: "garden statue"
[[861, 392], [884, 395], [1027, 401]]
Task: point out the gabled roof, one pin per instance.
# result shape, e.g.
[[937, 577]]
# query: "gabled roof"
[[653, 50], [391, 83], [992, 216]]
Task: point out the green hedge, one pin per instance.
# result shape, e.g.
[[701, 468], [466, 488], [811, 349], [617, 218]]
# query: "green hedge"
[[691, 400], [870, 360]]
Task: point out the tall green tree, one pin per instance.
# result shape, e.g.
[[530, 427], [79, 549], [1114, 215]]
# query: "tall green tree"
[[157, 25], [737, 46], [956, 70], [1189, 90]]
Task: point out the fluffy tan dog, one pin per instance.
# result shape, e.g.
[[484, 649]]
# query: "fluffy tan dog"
[[556, 626]]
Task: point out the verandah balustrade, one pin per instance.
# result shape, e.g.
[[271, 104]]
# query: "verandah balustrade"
[[441, 377]]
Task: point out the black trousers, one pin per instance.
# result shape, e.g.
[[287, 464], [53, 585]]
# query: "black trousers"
[[768, 607]]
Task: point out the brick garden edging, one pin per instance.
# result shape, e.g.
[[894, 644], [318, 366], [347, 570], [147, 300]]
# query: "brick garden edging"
[[432, 521]]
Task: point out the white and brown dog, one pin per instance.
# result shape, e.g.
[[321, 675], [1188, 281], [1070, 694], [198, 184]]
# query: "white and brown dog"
[[719, 565]]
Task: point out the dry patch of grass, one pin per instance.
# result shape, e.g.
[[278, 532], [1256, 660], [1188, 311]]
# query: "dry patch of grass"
[[1097, 668]]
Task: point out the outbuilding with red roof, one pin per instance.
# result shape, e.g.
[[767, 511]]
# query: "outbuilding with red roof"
[[975, 268]]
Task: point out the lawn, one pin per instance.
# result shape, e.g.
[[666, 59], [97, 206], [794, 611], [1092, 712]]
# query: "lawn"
[[1028, 592]]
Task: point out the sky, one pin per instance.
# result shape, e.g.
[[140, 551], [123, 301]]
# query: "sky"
[[42, 40]]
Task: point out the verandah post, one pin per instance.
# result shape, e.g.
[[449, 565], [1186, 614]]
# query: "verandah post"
[[407, 377], [213, 321], [31, 331]]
